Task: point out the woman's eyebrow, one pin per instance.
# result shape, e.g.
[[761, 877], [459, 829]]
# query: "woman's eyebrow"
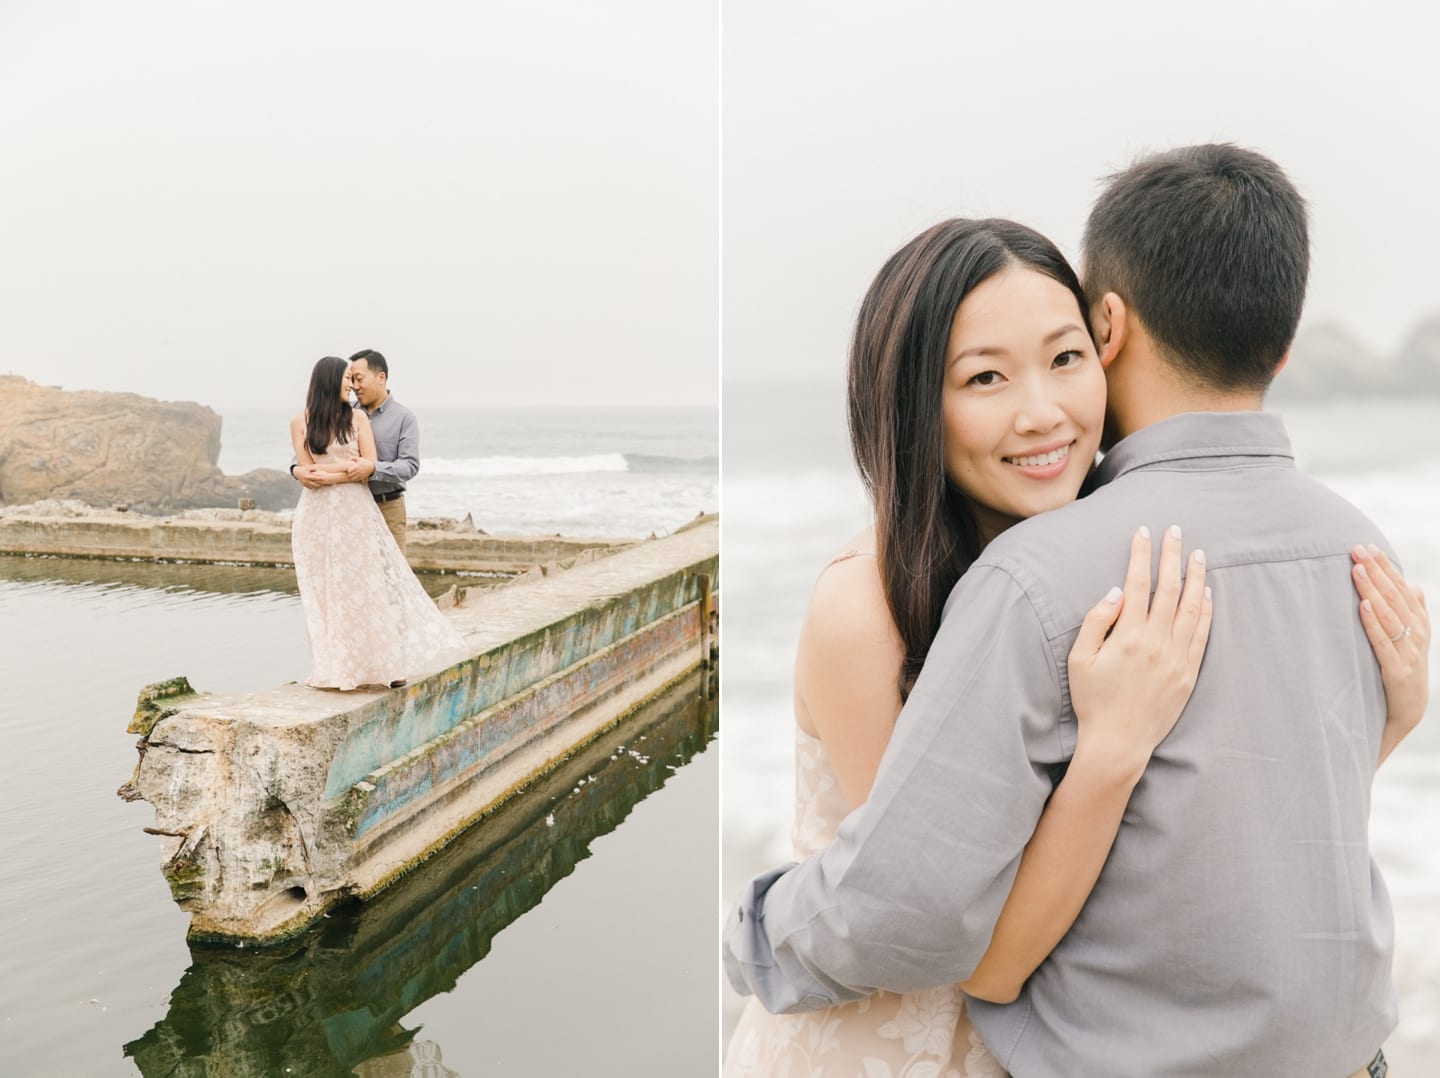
[[995, 350], [1067, 328]]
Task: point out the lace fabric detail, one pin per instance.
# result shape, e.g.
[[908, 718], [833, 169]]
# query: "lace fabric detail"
[[368, 619], [914, 1035]]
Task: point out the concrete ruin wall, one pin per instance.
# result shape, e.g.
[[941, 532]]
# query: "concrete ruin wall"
[[271, 806], [262, 542]]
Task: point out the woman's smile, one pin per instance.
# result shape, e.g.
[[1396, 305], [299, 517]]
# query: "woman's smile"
[[1043, 463]]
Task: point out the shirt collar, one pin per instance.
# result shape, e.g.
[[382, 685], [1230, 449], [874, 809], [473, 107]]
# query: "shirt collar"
[[1194, 436]]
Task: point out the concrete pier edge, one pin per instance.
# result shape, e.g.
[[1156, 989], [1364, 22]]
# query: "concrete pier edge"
[[273, 806]]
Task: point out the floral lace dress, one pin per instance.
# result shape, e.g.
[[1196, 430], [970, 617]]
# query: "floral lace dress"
[[915, 1035], [368, 618]]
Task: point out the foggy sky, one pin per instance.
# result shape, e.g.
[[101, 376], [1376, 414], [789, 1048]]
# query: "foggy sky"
[[516, 203], [850, 127]]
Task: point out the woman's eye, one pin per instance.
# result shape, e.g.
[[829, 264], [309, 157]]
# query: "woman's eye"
[[1069, 359], [984, 378]]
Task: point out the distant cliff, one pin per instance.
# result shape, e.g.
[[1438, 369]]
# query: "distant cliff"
[[1327, 362], [106, 449]]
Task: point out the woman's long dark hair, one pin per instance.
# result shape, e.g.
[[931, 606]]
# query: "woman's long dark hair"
[[328, 417], [925, 528]]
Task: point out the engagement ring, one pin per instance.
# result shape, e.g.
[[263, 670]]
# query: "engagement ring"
[[1404, 632]]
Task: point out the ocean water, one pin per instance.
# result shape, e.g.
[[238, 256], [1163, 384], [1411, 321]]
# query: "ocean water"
[[530, 471], [792, 500]]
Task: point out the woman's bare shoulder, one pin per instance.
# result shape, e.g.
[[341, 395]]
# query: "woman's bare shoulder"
[[847, 664], [362, 418], [848, 616]]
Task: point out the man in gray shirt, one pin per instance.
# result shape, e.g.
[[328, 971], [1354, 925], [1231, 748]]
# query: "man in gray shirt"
[[397, 442], [1240, 926]]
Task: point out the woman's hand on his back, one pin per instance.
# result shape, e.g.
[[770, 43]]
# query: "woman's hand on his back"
[[1134, 662], [1397, 623]]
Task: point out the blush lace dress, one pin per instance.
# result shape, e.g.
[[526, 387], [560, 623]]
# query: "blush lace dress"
[[915, 1035], [368, 618]]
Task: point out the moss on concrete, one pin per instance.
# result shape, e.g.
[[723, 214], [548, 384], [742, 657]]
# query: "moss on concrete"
[[158, 701]]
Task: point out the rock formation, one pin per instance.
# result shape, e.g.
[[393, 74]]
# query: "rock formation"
[[109, 449], [1419, 360], [1327, 362]]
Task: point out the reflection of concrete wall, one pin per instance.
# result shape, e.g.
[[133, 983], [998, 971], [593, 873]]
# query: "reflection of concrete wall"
[[273, 805], [327, 1004], [261, 542]]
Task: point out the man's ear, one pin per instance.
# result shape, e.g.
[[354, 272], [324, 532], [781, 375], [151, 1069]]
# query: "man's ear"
[[1110, 317], [1281, 365]]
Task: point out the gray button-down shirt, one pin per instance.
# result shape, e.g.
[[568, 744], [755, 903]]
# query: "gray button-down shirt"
[[397, 446], [1240, 925]]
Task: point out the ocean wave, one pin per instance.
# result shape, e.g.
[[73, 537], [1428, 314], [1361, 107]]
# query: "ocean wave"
[[645, 462], [494, 467], [486, 467]]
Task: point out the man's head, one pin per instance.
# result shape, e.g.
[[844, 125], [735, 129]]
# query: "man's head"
[[1205, 250], [369, 375]]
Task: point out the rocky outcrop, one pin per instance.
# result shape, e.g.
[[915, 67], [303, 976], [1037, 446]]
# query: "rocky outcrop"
[[107, 449], [1326, 362], [1419, 361]]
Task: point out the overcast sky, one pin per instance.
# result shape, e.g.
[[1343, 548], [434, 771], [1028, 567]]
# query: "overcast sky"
[[849, 127], [517, 203], [520, 203]]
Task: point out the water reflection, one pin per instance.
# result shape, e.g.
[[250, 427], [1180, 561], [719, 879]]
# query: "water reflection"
[[332, 1002]]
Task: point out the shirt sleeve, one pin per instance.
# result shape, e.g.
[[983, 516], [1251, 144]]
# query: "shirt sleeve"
[[406, 464], [907, 895]]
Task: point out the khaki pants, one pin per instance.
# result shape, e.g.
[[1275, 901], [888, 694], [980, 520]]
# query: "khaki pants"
[[394, 513]]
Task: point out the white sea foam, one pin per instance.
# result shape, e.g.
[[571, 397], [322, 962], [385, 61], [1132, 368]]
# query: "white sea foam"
[[490, 467]]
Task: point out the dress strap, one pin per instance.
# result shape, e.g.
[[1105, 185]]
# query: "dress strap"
[[846, 556]]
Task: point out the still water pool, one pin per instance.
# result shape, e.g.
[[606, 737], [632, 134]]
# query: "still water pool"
[[573, 933]]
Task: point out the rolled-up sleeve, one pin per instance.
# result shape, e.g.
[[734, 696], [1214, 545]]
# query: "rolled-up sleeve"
[[907, 895]]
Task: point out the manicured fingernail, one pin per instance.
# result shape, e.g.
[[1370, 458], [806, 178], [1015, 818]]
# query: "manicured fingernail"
[[1373, 549], [1174, 531], [1359, 551], [1366, 604], [1113, 596], [1208, 596], [1144, 532], [1198, 556], [1360, 571]]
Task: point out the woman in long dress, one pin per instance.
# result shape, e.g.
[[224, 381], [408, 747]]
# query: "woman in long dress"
[[368, 619], [976, 399]]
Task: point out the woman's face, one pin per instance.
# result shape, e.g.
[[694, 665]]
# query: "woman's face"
[[1024, 398]]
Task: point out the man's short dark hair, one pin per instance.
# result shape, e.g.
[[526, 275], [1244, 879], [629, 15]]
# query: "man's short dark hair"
[[374, 360], [1208, 247]]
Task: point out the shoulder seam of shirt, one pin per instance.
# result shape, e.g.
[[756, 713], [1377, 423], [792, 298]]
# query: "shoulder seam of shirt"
[[1059, 672]]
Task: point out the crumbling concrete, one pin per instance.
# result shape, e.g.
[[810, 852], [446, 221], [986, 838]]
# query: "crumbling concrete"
[[274, 805]]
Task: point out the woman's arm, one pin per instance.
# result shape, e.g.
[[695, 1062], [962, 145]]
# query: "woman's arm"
[[1128, 689], [358, 471], [1397, 623]]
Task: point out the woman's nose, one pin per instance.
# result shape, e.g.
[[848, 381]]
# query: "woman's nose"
[[1039, 412]]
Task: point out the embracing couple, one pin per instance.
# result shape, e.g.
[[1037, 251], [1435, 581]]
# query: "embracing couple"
[[1035, 839], [368, 619]]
